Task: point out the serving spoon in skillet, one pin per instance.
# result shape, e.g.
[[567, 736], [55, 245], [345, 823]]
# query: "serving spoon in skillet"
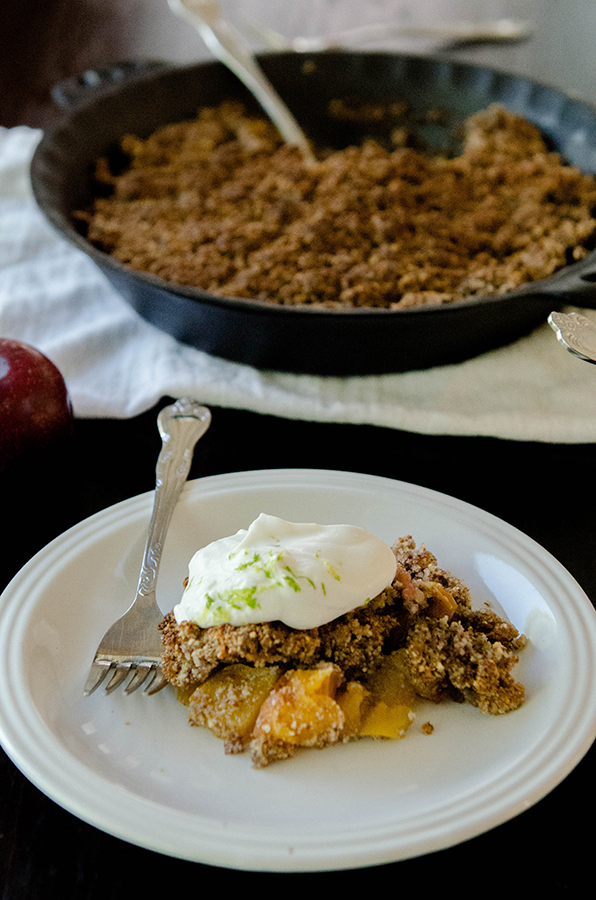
[[206, 17]]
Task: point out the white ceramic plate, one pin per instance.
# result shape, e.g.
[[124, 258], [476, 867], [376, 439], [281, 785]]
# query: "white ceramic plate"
[[134, 768]]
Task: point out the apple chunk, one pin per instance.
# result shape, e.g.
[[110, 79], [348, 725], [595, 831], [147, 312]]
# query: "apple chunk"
[[36, 414]]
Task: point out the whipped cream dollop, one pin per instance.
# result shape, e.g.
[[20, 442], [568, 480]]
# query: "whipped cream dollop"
[[302, 574]]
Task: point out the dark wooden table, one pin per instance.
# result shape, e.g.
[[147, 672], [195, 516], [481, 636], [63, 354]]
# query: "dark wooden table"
[[546, 490]]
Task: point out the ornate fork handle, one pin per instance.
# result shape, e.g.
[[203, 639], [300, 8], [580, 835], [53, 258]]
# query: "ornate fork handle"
[[180, 425]]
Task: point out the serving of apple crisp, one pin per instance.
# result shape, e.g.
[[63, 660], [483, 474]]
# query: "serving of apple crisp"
[[271, 689]]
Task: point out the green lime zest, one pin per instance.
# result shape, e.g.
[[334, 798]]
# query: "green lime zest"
[[239, 597], [251, 562], [255, 562], [289, 579], [329, 567], [269, 567]]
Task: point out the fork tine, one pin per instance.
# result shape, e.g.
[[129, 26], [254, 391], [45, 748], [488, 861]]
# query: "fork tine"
[[120, 675], [141, 672], [159, 682], [96, 676]]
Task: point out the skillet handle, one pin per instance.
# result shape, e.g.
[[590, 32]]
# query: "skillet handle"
[[575, 285], [74, 92]]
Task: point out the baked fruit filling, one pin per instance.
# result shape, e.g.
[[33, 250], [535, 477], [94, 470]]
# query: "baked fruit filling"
[[272, 690]]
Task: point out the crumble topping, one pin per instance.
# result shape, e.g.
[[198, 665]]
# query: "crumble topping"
[[221, 204]]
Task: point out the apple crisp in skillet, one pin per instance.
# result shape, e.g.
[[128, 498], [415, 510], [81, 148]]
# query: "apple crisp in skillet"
[[219, 203]]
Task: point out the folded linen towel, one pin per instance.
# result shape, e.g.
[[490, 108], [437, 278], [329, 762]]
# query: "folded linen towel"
[[117, 365]]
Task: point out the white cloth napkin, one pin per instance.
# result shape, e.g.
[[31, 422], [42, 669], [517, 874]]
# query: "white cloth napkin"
[[117, 365]]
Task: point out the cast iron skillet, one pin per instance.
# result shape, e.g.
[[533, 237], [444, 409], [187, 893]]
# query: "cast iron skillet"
[[304, 339]]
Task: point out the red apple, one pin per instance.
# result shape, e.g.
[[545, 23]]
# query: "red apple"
[[35, 408]]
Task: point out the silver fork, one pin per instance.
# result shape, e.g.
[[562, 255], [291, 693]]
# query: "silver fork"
[[132, 646]]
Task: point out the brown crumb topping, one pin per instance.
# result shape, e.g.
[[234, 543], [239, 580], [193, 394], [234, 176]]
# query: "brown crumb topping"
[[218, 203]]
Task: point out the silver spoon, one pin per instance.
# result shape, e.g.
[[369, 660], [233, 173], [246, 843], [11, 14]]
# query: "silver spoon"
[[206, 17], [576, 333], [500, 31]]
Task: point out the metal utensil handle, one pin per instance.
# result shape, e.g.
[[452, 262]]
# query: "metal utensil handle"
[[180, 425], [492, 32], [576, 333], [206, 17]]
